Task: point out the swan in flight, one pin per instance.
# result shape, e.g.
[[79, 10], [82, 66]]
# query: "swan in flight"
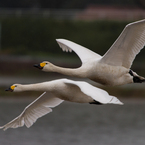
[[57, 91], [113, 68]]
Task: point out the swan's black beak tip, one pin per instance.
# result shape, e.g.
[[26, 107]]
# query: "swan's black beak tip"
[[37, 66], [9, 89]]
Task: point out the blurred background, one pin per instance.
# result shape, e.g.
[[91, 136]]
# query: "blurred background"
[[28, 29]]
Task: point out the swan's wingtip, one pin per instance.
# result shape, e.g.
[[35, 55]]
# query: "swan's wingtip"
[[118, 102], [57, 39], [2, 127], [60, 39], [121, 103]]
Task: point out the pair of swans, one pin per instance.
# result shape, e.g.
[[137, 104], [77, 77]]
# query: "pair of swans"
[[111, 69]]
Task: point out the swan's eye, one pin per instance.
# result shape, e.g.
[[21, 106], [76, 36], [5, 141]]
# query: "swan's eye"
[[15, 85], [46, 63]]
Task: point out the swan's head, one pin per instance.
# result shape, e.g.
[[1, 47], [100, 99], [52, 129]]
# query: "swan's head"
[[14, 88], [43, 65]]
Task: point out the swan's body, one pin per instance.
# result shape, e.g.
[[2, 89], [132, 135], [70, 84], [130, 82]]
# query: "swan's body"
[[58, 91], [111, 69]]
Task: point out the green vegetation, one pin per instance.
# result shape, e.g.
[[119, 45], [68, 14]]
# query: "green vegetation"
[[37, 35]]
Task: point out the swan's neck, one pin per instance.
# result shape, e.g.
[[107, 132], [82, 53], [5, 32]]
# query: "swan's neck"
[[36, 87], [76, 72]]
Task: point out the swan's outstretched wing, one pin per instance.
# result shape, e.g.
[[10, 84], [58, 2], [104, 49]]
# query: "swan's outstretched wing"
[[127, 46], [83, 53], [38, 108], [97, 94]]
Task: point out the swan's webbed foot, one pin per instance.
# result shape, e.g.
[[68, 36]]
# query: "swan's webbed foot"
[[137, 79], [96, 103]]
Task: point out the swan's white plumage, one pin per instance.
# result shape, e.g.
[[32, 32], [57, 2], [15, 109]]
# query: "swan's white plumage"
[[127, 46], [83, 53], [58, 91], [38, 108], [96, 93]]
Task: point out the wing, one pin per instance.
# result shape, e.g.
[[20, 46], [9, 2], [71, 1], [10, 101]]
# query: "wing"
[[96, 93], [83, 53], [38, 108], [127, 46]]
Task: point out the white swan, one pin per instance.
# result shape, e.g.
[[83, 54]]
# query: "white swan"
[[58, 91], [111, 69]]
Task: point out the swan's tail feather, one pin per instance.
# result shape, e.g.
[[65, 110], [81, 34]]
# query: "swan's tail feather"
[[114, 100]]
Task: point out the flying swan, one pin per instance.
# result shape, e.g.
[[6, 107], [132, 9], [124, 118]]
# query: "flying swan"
[[111, 69], [57, 91]]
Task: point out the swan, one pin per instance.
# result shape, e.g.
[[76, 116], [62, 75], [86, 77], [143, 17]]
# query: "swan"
[[113, 68], [58, 91]]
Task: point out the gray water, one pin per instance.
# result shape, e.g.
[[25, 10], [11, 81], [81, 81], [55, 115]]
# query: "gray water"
[[77, 124]]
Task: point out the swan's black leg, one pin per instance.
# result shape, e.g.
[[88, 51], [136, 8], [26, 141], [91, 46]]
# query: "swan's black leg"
[[136, 79], [96, 103], [131, 73]]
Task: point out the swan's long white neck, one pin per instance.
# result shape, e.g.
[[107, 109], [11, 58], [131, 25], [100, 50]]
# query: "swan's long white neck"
[[76, 72], [34, 87]]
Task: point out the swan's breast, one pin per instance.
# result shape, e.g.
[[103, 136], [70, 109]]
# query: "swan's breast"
[[107, 74]]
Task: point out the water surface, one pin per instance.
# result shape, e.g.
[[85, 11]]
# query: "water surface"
[[77, 124]]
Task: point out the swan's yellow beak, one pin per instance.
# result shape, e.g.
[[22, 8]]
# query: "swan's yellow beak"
[[40, 66], [11, 89]]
